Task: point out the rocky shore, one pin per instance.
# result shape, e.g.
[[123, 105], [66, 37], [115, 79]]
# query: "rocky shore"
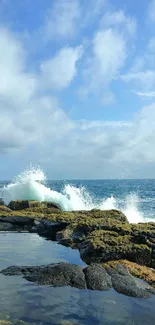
[[116, 253]]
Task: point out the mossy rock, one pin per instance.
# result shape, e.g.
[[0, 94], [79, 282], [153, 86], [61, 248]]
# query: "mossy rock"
[[3, 208], [102, 246], [144, 273], [23, 204], [51, 205]]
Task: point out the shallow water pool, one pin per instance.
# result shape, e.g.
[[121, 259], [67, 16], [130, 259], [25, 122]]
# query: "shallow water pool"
[[24, 301]]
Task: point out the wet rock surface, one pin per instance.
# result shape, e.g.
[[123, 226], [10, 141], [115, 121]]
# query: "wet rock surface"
[[93, 277], [61, 274], [6, 226], [49, 229], [97, 278], [124, 283]]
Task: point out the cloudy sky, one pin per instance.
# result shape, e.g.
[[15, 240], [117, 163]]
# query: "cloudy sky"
[[77, 88]]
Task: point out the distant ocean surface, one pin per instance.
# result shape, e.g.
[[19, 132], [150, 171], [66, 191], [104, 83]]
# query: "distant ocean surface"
[[136, 198]]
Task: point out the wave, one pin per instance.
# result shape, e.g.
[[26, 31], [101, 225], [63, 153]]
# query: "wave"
[[31, 185]]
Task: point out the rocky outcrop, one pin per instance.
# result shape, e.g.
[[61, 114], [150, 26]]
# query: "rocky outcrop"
[[36, 205], [93, 277], [100, 236], [126, 242], [61, 274], [49, 229], [23, 204]]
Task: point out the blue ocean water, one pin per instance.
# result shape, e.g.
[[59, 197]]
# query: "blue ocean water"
[[136, 198], [140, 193]]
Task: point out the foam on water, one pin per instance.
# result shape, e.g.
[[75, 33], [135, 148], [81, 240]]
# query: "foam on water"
[[30, 185]]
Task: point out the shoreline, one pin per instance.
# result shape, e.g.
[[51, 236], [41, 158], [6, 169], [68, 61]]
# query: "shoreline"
[[107, 243]]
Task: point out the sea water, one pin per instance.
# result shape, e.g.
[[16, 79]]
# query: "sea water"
[[22, 301], [136, 198]]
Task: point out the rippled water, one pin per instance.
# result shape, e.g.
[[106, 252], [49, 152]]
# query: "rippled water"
[[32, 303]]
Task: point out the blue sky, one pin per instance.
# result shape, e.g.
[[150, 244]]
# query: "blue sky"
[[77, 89]]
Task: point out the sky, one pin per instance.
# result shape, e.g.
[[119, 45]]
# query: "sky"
[[77, 88]]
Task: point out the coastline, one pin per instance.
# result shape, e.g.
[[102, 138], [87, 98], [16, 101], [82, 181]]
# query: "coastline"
[[113, 249]]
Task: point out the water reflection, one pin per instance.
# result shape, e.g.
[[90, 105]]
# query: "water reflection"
[[32, 303]]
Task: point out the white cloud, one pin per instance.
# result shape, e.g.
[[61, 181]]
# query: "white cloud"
[[151, 11], [108, 57], [61, 19], [118, 19], [110, 49], [150, 94], [108, 145], [93, 11], [35, 123], [26, 116], [59, 71], [143, 79]]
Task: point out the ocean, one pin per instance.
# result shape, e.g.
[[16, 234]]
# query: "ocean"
[[136, 198]]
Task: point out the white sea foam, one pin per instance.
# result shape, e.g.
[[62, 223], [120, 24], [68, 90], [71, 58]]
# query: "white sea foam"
[[30, 185]]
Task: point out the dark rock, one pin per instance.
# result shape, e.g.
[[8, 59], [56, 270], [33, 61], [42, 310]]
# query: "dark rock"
[[127, 285], [18, 220], [23, 204], [21, 270], [56, 275], [94, 277], [97, 278], [70, 236], [52, 205], [5, 226], [33, 230], [49, 229]]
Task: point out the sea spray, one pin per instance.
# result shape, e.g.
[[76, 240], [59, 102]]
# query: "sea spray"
[[31, 185]]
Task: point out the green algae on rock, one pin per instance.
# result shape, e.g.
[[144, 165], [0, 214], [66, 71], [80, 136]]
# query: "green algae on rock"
[[102, 246], [144, 273], [101, 236]]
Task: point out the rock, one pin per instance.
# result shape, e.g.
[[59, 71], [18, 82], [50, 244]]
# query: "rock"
[[112, 214], [3, 208], [140, 271], [21, 270], [23, 204], [33, 230], [18, 220], [101, 246], [5, 226], [52, 205], [97, 278], [55, 275], [49, 229], [126, 284], [93, 277], [70, 236]]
